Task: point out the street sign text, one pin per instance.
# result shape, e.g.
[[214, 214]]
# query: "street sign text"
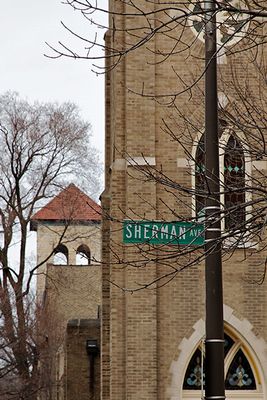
[[159, 232]]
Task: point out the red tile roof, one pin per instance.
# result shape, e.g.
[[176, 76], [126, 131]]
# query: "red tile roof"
[[70, 204]]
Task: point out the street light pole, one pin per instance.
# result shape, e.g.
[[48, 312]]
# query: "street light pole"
[[214, 346]]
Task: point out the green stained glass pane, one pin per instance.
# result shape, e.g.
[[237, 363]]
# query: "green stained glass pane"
[[225, 38], [197, 8], [198, 25], [200, 181]]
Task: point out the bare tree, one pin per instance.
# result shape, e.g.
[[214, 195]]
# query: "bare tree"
[[170, 20], [43, 147]]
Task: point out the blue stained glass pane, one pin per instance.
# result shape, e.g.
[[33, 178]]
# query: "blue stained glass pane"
[[193, 376], [240, 375], [228, 343]]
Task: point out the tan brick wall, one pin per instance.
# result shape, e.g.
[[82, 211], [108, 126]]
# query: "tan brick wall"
[[49, 235], [69, 292], [73, 291], [82, 372], [142, 331]]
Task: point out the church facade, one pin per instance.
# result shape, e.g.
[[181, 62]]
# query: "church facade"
[[153, 292]]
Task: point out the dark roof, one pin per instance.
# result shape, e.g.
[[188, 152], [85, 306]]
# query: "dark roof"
[[69, 205]]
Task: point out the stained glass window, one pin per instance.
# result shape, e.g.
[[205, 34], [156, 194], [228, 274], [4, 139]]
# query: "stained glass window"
[[200, 177], [193, 373], [231, 27], [240, 375], [228, 343], [234, 184], [234, 181]]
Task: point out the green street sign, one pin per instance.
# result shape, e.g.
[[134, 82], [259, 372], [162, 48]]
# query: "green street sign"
[[159, 232]]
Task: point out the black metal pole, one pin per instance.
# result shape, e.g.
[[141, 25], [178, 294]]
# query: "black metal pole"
[[214, 346]]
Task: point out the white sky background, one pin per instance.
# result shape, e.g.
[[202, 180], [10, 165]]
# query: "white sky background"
[[25, 26]]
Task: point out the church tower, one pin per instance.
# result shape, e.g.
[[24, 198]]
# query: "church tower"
[[69, 293], [68, 234], [153, 299]]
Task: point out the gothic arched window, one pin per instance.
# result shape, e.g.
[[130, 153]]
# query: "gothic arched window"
[[234, 184], [200, 183], [232, 165], [61, 255], [194, 376], [83, 256], [239, 374]]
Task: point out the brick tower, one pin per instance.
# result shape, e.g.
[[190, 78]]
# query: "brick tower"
[[69, 293], [152, 337]]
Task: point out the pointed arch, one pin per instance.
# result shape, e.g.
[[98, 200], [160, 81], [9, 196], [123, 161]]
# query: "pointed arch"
[[239, 373], [254, 348], [195, 372], [200, 183], [234, 183], [235, 172]]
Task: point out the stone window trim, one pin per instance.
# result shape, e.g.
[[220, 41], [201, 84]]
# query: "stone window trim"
[[241, 328], [227, 133]]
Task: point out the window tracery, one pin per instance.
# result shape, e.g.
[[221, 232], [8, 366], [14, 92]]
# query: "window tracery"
[[232, 184], [239, 374]]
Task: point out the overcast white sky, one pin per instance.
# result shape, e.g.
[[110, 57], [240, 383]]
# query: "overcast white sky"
[[25, 26]]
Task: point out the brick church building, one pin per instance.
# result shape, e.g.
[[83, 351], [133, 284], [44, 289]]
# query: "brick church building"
[[153, 295]]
